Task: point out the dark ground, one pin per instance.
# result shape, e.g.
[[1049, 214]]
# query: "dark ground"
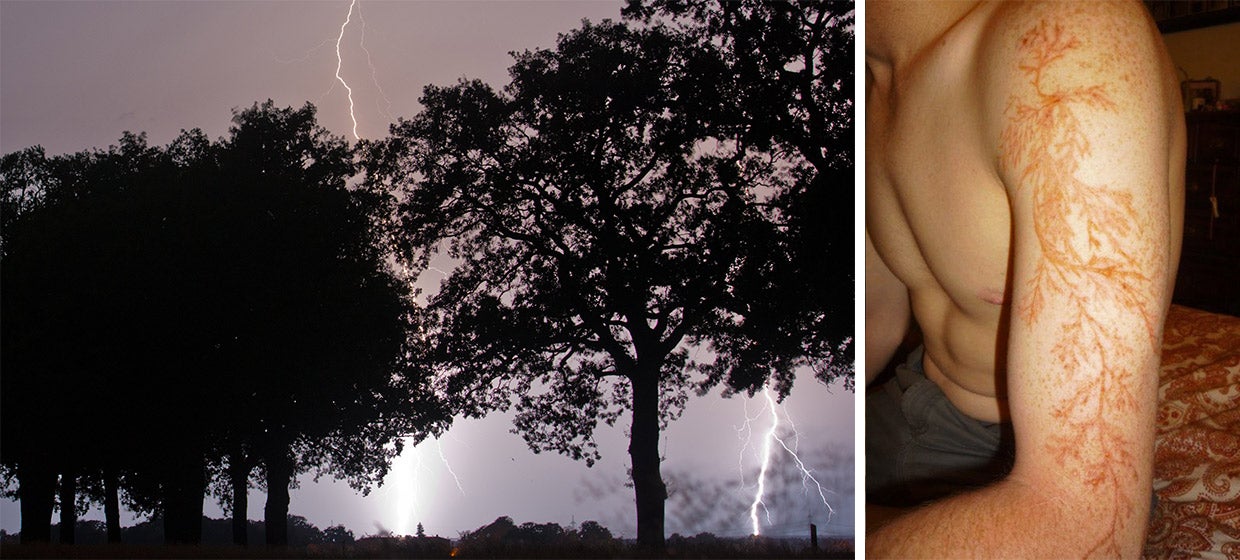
[[410, 547]]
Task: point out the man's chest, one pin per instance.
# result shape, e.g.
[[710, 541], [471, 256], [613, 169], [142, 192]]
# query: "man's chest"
[[936, 210]]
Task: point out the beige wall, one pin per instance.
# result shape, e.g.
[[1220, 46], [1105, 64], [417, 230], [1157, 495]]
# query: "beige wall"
[[1209, 52]]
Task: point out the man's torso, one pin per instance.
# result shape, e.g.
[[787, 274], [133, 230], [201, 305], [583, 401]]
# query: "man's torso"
[[938, 213]]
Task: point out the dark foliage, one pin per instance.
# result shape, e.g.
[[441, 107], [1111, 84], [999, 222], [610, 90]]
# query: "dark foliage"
[[634, 196], [228, 297], [503, 538], [779, 76], [214, 532], [606, 221]]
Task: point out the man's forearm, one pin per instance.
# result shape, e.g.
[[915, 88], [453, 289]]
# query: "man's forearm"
[[1011, 519]]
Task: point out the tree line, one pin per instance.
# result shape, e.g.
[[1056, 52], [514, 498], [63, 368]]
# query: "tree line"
[[215, 532], [678, 180], [183, 315]]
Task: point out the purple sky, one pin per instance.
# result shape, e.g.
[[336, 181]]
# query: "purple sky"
[[74, 75]]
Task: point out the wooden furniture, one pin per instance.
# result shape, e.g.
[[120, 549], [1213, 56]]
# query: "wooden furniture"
[[1209, 276]]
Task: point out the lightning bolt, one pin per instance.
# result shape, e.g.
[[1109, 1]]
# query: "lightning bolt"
[[415, 488], [304, 57], [374, 75], [769, 438], [340, 63], [766, 463], [443, 458], [417, 473], [807, 474]]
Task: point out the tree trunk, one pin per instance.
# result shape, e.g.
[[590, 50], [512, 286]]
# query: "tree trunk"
[[37, 491], [68, 506], [112, 504], [644, 452], [239, 476], [183, 496], [275, 513]]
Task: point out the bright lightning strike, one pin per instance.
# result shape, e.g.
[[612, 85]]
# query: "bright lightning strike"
[[766, 463], [340, 63], [411, 490], [769, 438]]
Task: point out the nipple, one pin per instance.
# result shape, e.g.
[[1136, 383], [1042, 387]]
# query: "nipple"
[[991, 295]]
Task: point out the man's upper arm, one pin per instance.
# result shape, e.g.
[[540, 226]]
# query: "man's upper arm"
[[1086, 136]]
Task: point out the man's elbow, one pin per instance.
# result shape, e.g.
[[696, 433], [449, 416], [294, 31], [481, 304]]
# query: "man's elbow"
[[1094, 516]]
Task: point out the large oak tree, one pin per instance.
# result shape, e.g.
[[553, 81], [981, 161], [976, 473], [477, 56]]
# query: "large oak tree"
[[603, 225]]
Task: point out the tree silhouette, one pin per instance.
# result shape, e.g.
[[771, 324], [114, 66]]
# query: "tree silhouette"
[[338, 534], [779, 76], [101, 486], [65, 338], [325, 374], [592, 532], [228, 298], [603, 227]]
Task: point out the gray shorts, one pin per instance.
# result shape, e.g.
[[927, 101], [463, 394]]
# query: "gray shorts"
[[919, 447]]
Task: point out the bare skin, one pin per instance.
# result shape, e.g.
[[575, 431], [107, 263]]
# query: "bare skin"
[[1024, 196]]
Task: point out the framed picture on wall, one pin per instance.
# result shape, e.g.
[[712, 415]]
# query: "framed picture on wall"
[[1200, 95]]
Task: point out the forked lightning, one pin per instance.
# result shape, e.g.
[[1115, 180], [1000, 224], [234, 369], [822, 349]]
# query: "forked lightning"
[[769, 438]]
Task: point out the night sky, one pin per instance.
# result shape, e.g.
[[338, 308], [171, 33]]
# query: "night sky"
[[74, 75]]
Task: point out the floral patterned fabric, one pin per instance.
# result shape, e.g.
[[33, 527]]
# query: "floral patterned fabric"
[[1197, 446]]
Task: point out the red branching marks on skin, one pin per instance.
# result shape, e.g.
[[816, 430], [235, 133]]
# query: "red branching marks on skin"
[[1086, 234]]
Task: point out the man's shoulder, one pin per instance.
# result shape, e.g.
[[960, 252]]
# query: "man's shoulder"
[[1042, 49], [1105, 20], [1091, 37]]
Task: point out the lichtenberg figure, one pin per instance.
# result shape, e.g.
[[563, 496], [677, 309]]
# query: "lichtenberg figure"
[[1085, 233]]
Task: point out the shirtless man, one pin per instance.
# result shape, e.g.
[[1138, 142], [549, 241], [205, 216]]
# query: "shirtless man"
[[1024, 201]]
